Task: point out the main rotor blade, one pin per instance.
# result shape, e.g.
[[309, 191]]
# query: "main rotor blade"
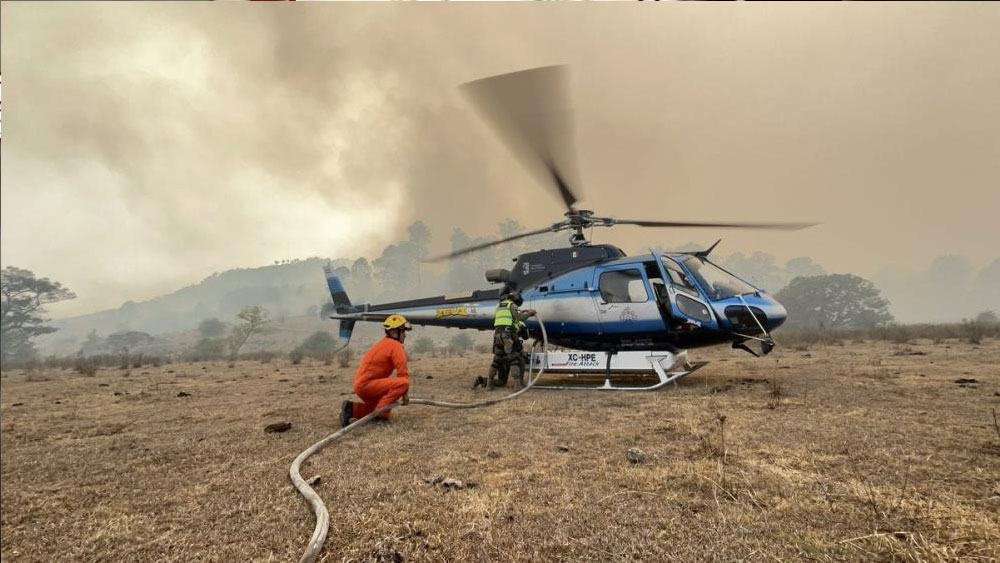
[[751, 225], [471, 249], [529, 110]]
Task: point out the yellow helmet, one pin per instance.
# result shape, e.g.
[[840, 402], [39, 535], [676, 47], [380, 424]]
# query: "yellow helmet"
[[396, 321]]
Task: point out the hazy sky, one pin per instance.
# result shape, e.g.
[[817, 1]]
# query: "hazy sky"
[[147, 145]]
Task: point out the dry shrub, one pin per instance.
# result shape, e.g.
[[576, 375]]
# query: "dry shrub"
[[996, 423], [889, 510], [296, 356], [894, 333], [36, 375], [345, 357], [775, 394], [52, 362], [86, 366], [712, 442], [802, 340], [974, 332]]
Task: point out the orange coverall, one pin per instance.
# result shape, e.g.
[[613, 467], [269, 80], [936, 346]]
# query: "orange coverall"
[[372, 382]]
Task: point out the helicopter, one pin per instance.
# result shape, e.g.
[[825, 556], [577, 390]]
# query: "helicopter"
[[593, 298]]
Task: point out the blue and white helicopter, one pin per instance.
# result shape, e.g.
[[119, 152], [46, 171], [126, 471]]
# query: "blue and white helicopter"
[[621, 314]]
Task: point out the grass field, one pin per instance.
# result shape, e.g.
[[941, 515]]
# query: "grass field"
[[868, 451]]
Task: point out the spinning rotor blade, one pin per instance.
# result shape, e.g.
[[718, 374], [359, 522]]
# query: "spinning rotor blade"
[[471, 249], [529, 110], [752, 225]]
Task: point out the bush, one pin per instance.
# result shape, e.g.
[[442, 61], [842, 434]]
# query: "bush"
[[266, 357], [209, 349], [460, 343], [897, 334], [86, 366], [974, 331], [296, 356], [423, 345], [319, 345]]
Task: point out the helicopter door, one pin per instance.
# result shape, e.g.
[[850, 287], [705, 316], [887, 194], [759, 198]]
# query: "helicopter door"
[[625, 303], [685, 303]]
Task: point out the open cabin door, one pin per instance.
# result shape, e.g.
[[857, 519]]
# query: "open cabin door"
[[680, 296]]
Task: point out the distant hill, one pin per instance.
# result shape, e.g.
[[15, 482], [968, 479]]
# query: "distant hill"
[[286, 290]]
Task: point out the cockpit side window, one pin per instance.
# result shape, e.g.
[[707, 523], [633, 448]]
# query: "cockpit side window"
[[677, 276]]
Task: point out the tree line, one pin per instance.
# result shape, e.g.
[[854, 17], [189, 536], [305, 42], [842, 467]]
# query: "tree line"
[[814, 299]]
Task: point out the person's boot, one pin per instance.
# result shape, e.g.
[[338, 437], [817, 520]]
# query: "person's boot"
[[502, 376], [520, 377], [491, 379], [346, 413], [480, 382]]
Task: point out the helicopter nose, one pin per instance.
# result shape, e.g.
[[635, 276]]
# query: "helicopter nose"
[[776, 315]]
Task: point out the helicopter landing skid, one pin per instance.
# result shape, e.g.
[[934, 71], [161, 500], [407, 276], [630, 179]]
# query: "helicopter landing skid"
[[668, 367]]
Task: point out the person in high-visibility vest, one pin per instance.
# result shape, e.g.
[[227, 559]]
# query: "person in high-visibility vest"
[[372, 382], [505, 334]]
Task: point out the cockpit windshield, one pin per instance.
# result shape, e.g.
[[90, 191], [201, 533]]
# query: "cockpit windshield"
[[719, 283]]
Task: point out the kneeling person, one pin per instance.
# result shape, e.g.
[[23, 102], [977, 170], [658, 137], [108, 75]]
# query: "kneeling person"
[[372, 382], [506, 338]]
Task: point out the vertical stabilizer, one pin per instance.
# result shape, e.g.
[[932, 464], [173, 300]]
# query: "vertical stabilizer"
[[341, 302]]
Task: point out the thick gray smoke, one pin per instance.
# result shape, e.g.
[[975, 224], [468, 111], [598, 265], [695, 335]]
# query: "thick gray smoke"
[[148, 145]]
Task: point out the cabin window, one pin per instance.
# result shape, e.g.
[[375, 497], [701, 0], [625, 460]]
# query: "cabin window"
[[693, 309], [623, 286]]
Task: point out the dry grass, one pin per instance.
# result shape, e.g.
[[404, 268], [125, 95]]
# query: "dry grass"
[[872, 456]]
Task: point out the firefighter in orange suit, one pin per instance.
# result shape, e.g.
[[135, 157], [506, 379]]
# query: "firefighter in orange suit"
[[372, 382]]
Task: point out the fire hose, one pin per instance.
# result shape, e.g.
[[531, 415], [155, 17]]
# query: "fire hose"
[[322, 515]]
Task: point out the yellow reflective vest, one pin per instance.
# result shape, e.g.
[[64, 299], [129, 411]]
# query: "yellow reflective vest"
[[505, 314]]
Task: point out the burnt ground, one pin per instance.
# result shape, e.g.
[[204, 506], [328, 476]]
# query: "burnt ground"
[[864, 452]]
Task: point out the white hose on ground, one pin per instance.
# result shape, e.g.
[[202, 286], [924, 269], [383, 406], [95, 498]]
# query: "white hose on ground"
[[322, 515]]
